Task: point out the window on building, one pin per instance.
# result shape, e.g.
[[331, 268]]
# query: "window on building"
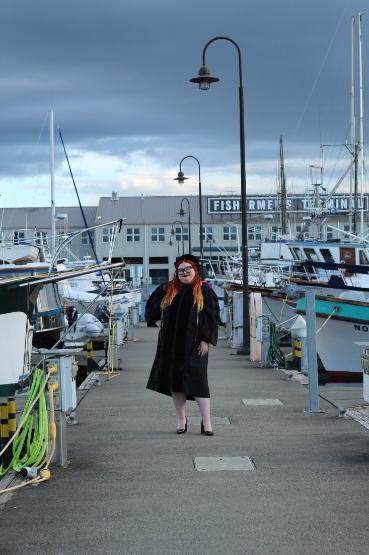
[[159, 276], [254, 232], [329, 233], [274, 234], [133, 260], [157, 234], [158, 260], [229, 233], [19, 237], [179, 231], [346, 227], [133, 234], [41, 238], [107, 234], [84, 237], [207, 233]]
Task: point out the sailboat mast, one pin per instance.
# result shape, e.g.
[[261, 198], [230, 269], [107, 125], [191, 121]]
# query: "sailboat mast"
[[282, 190], [352, 126], [361, 115], [52, 182], [354, 227]]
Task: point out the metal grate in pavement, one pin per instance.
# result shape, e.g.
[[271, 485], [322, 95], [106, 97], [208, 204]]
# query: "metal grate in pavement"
[[209, 464], [262, 402]]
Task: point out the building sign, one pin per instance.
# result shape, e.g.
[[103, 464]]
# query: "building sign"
[[296, 203]]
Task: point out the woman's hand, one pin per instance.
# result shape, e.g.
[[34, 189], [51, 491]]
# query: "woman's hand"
[[203, 348], [158, 323]]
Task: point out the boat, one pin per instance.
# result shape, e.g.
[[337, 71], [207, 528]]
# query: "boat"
[[291, 251], [342, 332]]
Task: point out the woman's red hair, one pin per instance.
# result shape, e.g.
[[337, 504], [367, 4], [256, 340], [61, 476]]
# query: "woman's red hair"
[[174, 286]]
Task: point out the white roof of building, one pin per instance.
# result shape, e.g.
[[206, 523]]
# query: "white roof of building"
[[40, 217], [155, 210]]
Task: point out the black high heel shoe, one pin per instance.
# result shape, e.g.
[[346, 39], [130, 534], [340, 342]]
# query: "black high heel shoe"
[[182, 430], [205, 432]]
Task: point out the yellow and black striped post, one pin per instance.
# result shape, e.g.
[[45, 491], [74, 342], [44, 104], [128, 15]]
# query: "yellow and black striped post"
[[4, 433], [90, 354], [297, 353], [12, 423], [90, 348]]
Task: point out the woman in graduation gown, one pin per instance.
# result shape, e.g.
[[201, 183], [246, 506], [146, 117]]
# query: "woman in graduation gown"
[[187, 312]]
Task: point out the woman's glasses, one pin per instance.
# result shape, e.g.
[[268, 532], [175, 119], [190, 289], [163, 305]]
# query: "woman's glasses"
[[184, 271]]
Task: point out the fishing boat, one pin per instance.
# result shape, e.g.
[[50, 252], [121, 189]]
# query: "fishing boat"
[[342, 332]]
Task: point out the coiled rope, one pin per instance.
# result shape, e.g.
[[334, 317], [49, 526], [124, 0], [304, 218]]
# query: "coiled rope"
[[29, 445], [275, 355]]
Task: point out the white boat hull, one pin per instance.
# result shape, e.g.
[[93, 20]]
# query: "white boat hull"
[[340, 344]]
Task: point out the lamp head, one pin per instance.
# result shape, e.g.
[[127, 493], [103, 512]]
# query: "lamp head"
[[180, 178], [170, 242], [204, 79], [181, 212]]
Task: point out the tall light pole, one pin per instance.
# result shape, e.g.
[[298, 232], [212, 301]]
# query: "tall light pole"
[[204, 80], [181, 179], [182, 213]]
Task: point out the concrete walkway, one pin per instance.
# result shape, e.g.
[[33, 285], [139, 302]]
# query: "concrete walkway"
[[132, 488]]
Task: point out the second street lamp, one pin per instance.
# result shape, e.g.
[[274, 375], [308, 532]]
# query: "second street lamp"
[[181, 179], [204, 80], [182, 213]]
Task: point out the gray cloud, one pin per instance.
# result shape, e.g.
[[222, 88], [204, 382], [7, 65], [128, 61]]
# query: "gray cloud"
[[116, 74]]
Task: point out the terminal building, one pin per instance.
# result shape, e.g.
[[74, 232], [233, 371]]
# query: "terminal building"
[[156, 229]]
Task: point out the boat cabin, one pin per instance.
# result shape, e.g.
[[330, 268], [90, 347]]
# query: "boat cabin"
[[337, 252]]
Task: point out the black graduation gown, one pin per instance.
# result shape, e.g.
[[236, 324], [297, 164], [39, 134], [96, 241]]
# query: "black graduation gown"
[[177, 365]]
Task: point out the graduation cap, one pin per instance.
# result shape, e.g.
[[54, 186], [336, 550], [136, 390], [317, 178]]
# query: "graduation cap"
[[188, 258]]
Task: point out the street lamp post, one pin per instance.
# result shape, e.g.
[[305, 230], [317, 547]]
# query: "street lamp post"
[[181, 178], [204, 80], [171, 242], [182, 213]]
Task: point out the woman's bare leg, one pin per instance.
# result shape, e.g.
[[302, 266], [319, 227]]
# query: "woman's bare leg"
[[179, 401], [204, 406]]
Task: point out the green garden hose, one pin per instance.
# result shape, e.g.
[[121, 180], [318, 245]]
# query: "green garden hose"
[[275, 355], [30, 445]]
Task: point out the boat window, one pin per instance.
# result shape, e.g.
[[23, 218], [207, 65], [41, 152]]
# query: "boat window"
[[363, 259], [326, 254], [311, 255], [297, 254]]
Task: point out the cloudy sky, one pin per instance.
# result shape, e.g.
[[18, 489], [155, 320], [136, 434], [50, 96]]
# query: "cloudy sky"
[[116, 74]]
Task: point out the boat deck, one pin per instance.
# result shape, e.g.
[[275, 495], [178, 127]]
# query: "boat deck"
[[273, 479]]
